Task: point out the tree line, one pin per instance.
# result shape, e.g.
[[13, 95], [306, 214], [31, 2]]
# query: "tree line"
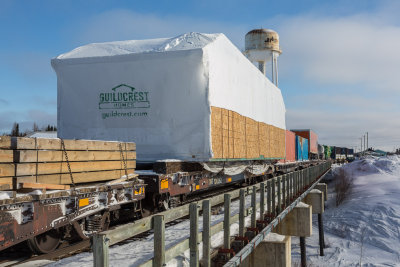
[[16, 131]]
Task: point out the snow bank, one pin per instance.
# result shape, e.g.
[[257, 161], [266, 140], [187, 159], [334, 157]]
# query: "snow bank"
[[369, 219]]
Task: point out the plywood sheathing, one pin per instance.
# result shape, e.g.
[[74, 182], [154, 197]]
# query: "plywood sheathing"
[[234, 136]]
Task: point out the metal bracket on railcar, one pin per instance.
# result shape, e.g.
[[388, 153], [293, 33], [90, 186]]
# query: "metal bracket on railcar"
[[28, 216]]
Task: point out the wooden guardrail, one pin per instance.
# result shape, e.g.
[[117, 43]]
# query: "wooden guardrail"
[[283, 193]]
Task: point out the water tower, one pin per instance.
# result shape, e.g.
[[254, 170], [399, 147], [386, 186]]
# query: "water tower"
[[262, 47]]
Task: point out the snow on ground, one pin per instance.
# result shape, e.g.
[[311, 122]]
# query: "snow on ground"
[[367, 223]]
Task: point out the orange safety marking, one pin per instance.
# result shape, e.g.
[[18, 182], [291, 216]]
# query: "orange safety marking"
[[164, 184], [83, 202]]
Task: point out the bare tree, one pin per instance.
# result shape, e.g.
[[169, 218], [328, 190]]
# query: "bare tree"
[[35, 127], [343, 186]]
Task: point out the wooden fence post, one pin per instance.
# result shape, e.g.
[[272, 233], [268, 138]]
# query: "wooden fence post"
[[194, 230], [262, 201], [291, 185], [284, 193], [100, 250], [227, 221], [279, 194], [253, 207], [242, 206], [269, 193], [273, 196], [159, 240], [206, 233]]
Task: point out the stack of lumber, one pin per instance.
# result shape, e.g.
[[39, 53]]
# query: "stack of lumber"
[[168, 167], [33, 161]]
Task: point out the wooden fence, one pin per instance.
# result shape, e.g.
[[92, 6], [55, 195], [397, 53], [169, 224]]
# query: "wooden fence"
[[281, 195]]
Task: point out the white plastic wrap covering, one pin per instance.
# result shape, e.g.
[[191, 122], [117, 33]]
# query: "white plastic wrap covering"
[[158, 93], [236, 84]]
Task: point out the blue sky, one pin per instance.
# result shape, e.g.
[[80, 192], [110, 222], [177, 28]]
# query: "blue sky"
[[339, 71]]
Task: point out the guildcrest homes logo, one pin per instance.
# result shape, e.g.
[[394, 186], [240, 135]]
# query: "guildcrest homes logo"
[[125, 101], [124, 97]]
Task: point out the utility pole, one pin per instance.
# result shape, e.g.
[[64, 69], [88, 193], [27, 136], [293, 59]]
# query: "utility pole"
[[364, 144], [361, 146], [367, 141]]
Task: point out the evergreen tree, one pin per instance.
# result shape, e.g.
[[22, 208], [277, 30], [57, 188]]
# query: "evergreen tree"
[[15, 130]]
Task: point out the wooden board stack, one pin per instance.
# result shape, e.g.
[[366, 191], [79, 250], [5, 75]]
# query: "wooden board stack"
[[28, 162]]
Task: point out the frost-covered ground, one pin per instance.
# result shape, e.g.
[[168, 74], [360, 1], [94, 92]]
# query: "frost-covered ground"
[[368, 221]]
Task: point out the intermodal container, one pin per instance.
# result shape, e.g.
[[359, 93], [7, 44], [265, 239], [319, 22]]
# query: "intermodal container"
[[321, 151], [327, 152], [333, 152], [338, 153], [312, 140], [350, 154], [290, 146], [301, 148]]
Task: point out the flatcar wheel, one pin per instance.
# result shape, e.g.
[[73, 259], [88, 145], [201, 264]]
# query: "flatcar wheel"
[[45, 243]]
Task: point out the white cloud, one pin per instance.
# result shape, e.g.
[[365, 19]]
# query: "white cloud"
[[122, 24], [358, 50]]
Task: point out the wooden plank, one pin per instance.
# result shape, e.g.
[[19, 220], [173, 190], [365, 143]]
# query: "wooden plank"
[[80, 177], [167, 167], [22, 156], [24, 169], [8, 142], [7, 180], [5, 186], [43, 186], [7, 169], [6, 156]]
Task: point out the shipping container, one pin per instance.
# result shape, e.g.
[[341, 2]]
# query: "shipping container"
[[290, 146], [327, 152], [338, 153], [174, 97], [350, 153], [301, 148], [312, 141], [321, 151]]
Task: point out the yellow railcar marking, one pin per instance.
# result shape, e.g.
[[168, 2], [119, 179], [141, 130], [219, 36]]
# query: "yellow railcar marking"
[[197, 187], [140, 191], [83, 202], [164, 184], [229, 179]]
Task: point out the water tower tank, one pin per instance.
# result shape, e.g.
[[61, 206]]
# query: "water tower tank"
[[262, 46]]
